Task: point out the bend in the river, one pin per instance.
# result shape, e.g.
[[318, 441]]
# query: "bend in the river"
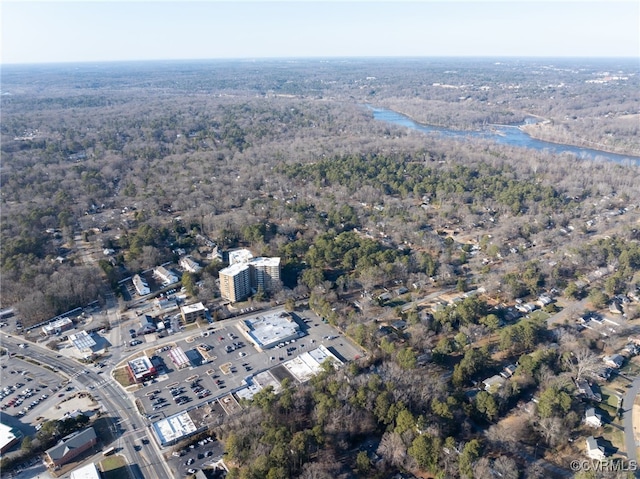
[[505, 135]]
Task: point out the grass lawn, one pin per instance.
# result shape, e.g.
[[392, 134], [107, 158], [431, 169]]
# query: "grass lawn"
[[615, 435], [114, 467], [122, 376], [630, 369], [609, 400], [539, 315]]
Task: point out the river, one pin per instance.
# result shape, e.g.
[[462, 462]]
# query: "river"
[[504, 135]]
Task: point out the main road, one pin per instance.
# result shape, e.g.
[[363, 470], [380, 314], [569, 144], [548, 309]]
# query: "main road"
[[127, 424]]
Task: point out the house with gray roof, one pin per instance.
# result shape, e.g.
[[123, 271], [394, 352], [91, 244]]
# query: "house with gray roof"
[[70, 447]]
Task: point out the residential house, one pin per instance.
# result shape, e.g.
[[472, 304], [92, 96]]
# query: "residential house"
[[614, 361], [592, 418], [70, 447], [631, 349], [526, 308], [493, 383], [190, 265], [142, 288], [594, 451], [615, 307], [147, 325], [544, 300], [584, 388], [165, 275], [385, 297], [508, 371]]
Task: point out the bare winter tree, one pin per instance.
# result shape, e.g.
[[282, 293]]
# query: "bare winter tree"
[[584, 364], [392, 449]]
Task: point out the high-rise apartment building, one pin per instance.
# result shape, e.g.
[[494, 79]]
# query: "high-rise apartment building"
[[235, 282], [265, 273], [247, 273]]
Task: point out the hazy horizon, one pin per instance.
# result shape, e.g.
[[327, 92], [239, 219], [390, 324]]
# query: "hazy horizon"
[[51, 32]]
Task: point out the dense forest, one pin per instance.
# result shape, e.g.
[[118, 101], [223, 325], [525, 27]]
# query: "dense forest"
[[145, 159]]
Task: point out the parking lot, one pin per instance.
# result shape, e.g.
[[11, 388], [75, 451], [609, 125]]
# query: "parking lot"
[[225, 360], [29, 393], [197, 455]]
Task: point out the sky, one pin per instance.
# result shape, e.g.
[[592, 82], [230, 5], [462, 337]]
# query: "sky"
[[94, 31]]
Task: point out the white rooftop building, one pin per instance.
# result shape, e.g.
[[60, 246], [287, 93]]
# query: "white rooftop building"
[[90, 471], [57, 326], [308, 364], [189, 264], [239, 256], [83, 343], [165, 275], [269, 330], [142, 288], [174, 428]]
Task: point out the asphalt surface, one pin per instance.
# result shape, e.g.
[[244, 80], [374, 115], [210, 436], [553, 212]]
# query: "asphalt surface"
[[148, 461], [629, 434]]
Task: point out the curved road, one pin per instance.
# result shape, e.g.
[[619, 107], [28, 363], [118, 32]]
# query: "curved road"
[[148, 462]]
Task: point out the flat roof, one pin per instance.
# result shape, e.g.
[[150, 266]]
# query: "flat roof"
[[7, 435], [82, 340], [140, 366], [174, 427], [90, 471], [58, 323], [308, 364], [234, 269], [271, 329], [192, 308], [178, 357], [265, 379], [265, 261], [239, 256], [248, 392]]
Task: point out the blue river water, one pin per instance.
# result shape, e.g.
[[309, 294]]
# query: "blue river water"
[[505, 135]]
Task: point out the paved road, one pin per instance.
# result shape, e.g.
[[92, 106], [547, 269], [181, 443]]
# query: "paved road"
[[429, 297], [575, 307], [118, 404], [629, 433]]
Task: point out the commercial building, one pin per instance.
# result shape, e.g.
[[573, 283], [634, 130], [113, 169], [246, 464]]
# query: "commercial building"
[[191, 312], [83, 343], [142, 288], [70, 447], [308, 364], [174, 428], [90, 471], [141, 369], [269, 330], [9, 436], [179, 358], [57, 327], [235, 282]]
